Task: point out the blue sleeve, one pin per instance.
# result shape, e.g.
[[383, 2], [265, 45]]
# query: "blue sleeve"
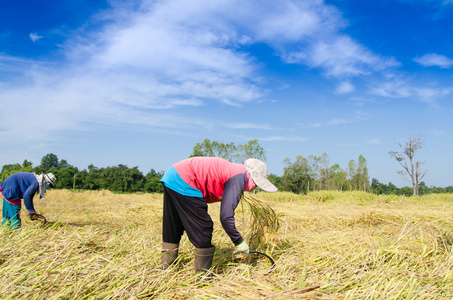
[[232, 193], [29, 194]]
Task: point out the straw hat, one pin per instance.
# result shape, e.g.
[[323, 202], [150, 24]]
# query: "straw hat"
[[258, 171]]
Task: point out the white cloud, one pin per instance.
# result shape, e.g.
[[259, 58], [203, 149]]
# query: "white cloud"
[[373, 142], [332, 122], [249, 126], [35, 37], [428, 94], [342, 56], [434, 60], [175, 54], [282, 139], [344, 87], [392, 88], [400, 87], [437, 132]]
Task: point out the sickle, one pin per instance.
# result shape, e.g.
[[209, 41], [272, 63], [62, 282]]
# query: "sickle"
[[264, 254], [41, 218]]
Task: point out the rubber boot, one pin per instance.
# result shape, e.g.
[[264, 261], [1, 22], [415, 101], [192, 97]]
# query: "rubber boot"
[[203, 261], [170, 253]]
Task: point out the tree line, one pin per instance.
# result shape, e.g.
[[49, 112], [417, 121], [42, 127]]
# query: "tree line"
[[301, 176], [315, 173], [115, 178]]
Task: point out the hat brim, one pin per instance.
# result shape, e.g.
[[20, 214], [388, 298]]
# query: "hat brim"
[[262, 183], [49, 180], [265, 184]]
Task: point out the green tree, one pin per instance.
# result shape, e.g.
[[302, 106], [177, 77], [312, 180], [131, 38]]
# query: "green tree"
[[111, 178], [339, 177], [376, 186], [277, 181], [252, 149], [91, 179], [48, 162], [65, 177], [214, 149], [80, 180], [352, 171], [230, 151], [405, 191], [9, 169], [423, 189], [63, 164], [152, 182], [380, 188], [136, 180], [296, 176], [315, 170], [27, 166], [392, 189], [358, 175], [325, 179], [362, 174]]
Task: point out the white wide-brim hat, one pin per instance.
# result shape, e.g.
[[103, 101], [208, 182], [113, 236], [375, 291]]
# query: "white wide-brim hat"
[[50, 178], [258, 172]]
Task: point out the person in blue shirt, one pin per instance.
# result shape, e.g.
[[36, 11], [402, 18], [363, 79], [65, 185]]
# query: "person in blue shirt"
[[20, 186]]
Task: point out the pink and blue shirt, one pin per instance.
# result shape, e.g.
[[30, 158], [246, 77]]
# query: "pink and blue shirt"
[[214, 179]]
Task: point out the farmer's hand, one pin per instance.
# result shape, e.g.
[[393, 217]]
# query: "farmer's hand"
[[242, 247], [33, 215]]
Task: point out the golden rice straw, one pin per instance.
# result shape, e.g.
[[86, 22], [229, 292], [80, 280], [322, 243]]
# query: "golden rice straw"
[[263, 216]]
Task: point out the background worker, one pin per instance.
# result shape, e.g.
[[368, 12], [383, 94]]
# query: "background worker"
[[189, 186], [20, 186]]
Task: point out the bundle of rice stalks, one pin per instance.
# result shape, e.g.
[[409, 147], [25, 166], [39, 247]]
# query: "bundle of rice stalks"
[[264, 220]]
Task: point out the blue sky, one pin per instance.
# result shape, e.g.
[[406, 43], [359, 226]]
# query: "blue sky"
[[141, 82]]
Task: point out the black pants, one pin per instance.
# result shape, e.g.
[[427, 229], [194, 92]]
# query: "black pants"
[[190, 214]]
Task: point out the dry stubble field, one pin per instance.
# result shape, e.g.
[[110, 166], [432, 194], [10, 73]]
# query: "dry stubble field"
[[331, 245]]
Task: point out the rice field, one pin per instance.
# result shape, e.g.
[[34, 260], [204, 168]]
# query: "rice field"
[[330, 245]]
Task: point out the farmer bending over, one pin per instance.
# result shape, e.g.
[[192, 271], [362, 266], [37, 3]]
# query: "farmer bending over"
[[189, 186], [20, 186]]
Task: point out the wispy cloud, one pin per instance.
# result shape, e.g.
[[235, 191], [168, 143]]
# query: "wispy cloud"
[[434, 60], [282, 139], [34, 36], [373, 142], [176, 54], [437, 132], [403, 87], [392, 87], [344, 87], [332, 122], [429, 94], [309, 32], [249, 126], [341, 56]]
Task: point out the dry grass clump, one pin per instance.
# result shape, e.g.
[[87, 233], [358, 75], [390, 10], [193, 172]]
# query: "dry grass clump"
[[100, 245]]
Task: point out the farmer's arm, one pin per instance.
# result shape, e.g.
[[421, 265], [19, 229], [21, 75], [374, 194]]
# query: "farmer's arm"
[[232, 193], [28, 197]]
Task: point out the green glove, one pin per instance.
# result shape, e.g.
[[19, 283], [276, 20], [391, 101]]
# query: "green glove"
[[242, 247]]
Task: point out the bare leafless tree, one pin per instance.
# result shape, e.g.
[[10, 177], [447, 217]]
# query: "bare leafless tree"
[[405, 158]]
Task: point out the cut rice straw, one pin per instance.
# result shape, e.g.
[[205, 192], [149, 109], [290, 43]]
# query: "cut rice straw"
[[264, 218]]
